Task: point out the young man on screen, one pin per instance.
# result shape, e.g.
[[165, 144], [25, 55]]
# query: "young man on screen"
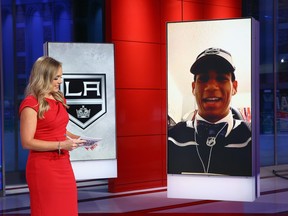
[[214, 142]]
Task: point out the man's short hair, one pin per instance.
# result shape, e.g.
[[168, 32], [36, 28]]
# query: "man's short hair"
[[213, 58]]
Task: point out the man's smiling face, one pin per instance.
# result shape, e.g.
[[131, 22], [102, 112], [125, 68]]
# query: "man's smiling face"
[[213, 92]]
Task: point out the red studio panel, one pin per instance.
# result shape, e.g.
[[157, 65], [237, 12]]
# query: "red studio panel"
[[141, 148], [138, 112], [138, 65], [136, 20], [138, 30]]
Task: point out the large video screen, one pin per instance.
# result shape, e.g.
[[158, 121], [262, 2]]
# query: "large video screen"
[[210, 75]]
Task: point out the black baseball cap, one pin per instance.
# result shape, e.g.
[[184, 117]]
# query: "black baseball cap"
[[213, 58]]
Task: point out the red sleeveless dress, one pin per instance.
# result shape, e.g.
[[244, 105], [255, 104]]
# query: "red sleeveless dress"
[[49, 175]]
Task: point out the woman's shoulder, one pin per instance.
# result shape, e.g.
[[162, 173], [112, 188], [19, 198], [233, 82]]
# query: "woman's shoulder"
[[29, 101]]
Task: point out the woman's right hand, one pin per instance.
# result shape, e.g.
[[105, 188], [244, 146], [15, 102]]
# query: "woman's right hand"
[[71, 144]]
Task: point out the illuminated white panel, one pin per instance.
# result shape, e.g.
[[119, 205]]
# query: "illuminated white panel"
[[96, 169], [212, 187]]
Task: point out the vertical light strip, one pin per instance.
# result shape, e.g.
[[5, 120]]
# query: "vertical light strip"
[[275, 51], [2, 192]]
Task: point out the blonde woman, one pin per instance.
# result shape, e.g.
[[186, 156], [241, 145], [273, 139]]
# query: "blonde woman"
[[43, 121]]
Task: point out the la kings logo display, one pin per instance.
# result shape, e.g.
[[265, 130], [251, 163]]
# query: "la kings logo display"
[[86, 97]]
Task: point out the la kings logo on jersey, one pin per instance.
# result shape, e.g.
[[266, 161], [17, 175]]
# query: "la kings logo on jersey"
[[86, 97]]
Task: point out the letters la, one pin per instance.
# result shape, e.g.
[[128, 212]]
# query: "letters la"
[[86, 97]]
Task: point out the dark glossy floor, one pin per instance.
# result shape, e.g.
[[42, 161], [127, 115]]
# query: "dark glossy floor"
[[94, 199]]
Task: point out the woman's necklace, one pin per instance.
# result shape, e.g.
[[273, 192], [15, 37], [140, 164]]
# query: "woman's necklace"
[[211, 141]]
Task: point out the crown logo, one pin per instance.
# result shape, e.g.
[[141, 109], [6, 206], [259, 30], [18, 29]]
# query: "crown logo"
[[83, 112]]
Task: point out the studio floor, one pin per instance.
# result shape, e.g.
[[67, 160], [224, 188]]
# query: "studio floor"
[[94, 199]]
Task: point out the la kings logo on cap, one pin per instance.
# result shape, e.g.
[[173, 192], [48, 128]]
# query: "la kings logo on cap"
[[86, 97]]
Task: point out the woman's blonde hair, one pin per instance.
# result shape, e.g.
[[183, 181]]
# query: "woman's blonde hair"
[[43, 72]]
